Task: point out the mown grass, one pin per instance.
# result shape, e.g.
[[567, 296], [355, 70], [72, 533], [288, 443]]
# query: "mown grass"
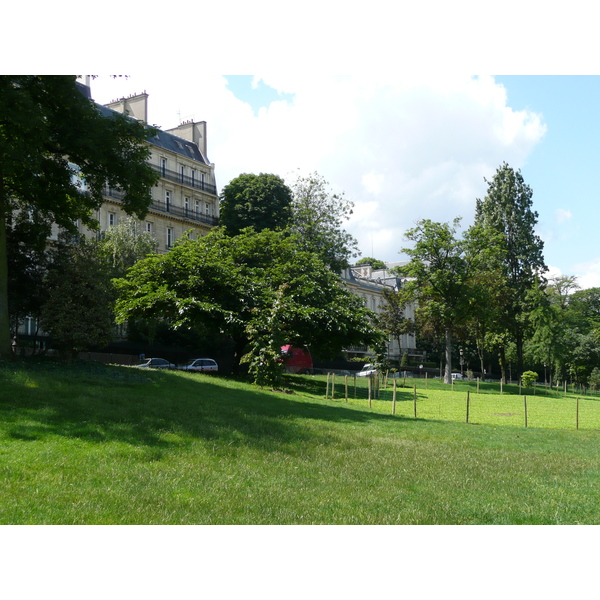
[[515, 406], [115, 445]]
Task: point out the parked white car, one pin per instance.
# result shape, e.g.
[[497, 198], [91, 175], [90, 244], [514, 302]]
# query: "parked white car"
[[201, 364], [367, 370], [157, 363]]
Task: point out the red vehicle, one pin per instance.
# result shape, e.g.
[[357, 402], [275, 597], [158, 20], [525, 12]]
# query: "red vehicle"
[[296, 360]]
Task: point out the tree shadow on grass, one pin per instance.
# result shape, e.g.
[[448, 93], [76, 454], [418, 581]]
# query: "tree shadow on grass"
[[165, 410]]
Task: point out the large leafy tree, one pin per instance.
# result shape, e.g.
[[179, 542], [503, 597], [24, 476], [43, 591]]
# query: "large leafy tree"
[[318, 215], [77, 311], [438, 279], [507, 210], [261, 201], [49, 133], [254, 286]]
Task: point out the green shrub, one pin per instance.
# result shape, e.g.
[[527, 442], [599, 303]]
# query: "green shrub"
[[528, 378]]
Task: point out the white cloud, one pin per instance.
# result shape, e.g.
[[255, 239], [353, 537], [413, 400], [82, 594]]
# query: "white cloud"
[[401, 147], [562, 215], [588, 273]]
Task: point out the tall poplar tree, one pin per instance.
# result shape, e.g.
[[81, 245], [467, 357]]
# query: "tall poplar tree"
[[507, 210]]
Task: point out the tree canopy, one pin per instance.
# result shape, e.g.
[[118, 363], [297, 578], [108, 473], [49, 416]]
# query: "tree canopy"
[[318, 216], [57, 152], [507, 210], [260, 201], [250, 286]]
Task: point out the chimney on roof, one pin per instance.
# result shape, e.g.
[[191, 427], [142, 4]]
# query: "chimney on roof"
[[135, 106], [193, 132]]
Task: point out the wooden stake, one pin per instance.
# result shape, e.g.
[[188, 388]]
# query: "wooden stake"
[[370, 379], [327, 387], [478, 385], [525, 404], [394, 399], [346, 386], [426, 381], [333, 386], [577, 415], [468, 401], [415, 401]]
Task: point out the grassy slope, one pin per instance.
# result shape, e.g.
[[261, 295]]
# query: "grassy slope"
[[94, 444]]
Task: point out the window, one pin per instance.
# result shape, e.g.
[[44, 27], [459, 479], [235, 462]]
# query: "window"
[[193, 177], [112, 219], [197, 208], [168, 201], [163, 166], [182, 173], [186, 206], [202, 179], [207, 209], [148, 227], [170, 238]]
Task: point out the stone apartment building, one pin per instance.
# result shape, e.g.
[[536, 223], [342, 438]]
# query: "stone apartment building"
[[185, 198], [186, 195], [369, 284]]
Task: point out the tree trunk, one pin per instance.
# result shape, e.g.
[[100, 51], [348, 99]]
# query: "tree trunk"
[[5, 347], [448, 371], [502, 357]]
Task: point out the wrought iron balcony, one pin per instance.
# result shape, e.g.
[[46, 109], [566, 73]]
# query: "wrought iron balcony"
[[176, 211], [195, 183]]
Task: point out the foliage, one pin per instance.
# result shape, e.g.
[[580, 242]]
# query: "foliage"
[[27, 265], [260, 201], [528, 377], [507, 210], [77, 312], [317, 216], [265, 342], [594, 379], [57, 151], [438, 279], [374, 262], [124, 244], [392, 317], [225, 282]]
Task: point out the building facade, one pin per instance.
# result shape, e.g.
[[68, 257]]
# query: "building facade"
[[185, 198], [369, 285]]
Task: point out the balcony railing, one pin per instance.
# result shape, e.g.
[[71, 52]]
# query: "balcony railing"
[[195, 183], [176, 211]]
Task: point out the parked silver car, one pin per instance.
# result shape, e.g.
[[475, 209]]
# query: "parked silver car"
[[201, 364], [157, 363]]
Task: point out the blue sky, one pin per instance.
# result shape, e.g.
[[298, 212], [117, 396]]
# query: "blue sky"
[[562, 167], [404, 147]]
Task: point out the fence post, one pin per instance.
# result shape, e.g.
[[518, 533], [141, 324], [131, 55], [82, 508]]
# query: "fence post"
[[525, 404], [478, 385], [327, 388], [333, 386], [370, 377], [415, 401], [500, 386], [468, 400], [577, 415], [355, 386], [346, 386], [394, 399], [426, 381]]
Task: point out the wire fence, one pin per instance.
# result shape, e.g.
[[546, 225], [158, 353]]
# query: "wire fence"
[[475, 402]]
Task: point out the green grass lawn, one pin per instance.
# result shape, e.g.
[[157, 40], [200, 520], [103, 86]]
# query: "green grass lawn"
[[116, 445]]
